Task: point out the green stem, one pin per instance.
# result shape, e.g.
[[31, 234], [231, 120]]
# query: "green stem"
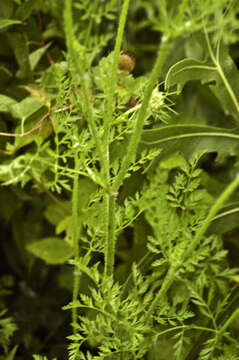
[[110, 250], [164, 49], [213, 211], [135, 138], [75, 236], [169, 278], [90, 25], [190, 327], [78, 66], [174, 268], [112, 84], [109, 201], [228, 322]]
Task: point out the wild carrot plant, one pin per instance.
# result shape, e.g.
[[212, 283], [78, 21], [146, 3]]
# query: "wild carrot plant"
[[123, 161]]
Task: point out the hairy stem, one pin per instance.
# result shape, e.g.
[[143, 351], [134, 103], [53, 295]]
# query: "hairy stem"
[[109, 201], [78, 66], [75, 236], [131, 152], [110, 245], [112, 84]]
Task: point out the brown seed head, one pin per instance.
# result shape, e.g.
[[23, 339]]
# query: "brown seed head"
[[126, 62]]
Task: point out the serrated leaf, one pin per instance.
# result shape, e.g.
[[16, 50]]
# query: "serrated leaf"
[[73, 305], [216, 75], [189, 69], [158, 262], [52, 250]]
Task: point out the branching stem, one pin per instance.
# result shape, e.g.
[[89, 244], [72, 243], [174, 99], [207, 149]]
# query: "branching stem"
[[135, 138]]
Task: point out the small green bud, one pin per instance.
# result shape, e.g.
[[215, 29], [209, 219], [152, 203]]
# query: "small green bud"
[[157, 99]]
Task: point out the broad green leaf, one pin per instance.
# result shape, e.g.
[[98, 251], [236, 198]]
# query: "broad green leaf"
[[222, 77], [25, 9], [5, 102], [40, 95], [65, 224], [19, 44], [53, 32], [4, 23], [226, 220], [52, 250], [55, 213], [86, 189], [173, 161], [36, 55], [25, 108], [190, 69], [190, 138], [31, 131]]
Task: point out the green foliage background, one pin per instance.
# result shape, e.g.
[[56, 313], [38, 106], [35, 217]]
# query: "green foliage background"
[[64, 98]]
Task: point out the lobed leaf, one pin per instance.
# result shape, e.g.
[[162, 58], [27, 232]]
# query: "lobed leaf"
[[218, 75], [190, 138]]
